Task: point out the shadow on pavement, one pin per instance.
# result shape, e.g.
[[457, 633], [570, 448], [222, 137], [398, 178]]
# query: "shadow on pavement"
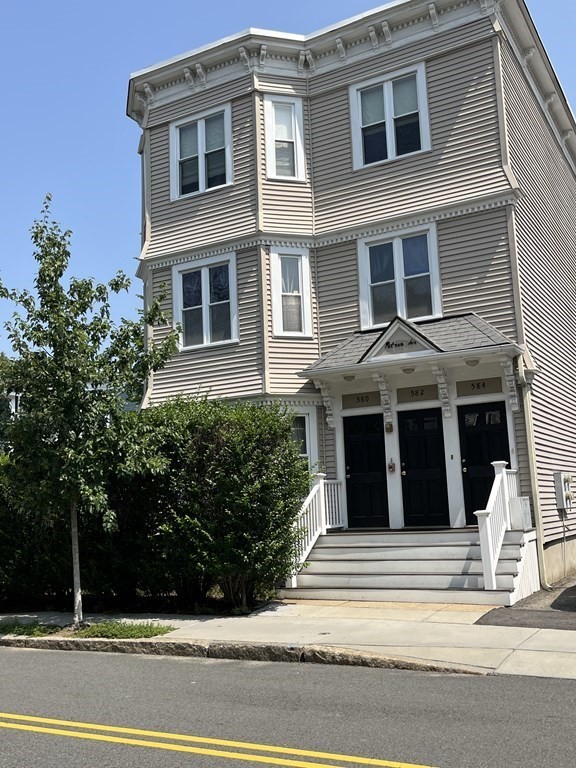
[[554, 609]]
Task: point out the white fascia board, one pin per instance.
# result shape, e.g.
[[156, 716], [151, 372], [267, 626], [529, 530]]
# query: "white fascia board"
[[252, 34], [377, 364], [269, 34]]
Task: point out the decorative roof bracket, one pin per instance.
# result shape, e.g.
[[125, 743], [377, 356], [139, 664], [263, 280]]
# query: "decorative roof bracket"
[[443, 393], [527, 54], [385, 399], [201, 74], [327, 399], [149, 100], [433, 15], [386, 32], [550, 98], [244, 58], [262, 58], [373, 37], [510, 378], [189, 78], [341, 49]]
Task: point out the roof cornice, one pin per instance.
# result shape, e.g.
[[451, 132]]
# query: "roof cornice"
[[391, 24]]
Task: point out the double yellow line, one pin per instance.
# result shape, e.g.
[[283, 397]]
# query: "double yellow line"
[[97, 732]]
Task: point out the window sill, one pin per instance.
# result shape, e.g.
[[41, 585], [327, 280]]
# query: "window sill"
[[390, 160], [214, 345], [287, 179], [294, 336], [192, 195], [382, 326]]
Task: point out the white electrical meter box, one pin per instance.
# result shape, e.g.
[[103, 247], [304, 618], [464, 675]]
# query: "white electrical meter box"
[[520, 513], [563, 490]]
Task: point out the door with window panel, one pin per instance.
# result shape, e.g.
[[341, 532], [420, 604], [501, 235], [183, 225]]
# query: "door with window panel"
[[483, 439]]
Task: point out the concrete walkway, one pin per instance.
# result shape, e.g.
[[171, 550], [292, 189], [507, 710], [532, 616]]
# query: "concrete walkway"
[[418, 635]]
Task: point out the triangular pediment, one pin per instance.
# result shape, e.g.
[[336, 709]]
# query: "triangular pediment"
[[400, 338]]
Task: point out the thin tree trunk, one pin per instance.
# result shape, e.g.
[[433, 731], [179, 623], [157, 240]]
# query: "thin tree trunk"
[[78, 617]]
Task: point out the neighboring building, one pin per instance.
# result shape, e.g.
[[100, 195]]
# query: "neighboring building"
[[375, 224]]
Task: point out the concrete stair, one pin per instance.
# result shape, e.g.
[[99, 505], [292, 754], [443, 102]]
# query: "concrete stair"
[[414, 566]]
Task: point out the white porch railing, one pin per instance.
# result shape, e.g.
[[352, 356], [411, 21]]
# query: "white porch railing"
[[321, 510], [333, 503], [494, 521]]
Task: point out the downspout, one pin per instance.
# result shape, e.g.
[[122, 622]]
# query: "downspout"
[[525, 377]]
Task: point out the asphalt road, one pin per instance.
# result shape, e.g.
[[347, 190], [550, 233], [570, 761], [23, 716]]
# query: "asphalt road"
[[398, 717]]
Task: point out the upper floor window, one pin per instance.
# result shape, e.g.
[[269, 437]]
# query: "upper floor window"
[[399, 276], [389, 117], [201, 153], [205, 302], [284, 138], [291, 304]]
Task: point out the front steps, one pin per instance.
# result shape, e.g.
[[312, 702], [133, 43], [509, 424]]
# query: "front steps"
[[440, 566]]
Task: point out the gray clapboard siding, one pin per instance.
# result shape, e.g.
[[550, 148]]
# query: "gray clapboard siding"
[[286, 86], [337, 281], [199, 101], [326, 445], [287, 206], [475, 268], [522, 452], [387, 60], [216, 215], [465, 160], [546, 242], [287, 356], [228, 371]]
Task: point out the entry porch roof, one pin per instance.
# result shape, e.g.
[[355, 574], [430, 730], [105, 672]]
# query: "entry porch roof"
[[456, 339]]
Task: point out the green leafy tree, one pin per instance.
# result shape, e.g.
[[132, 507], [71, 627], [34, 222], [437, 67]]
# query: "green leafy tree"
[[73, 367]]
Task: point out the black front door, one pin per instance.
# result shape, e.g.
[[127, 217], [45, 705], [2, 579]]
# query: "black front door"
[[423, 468], [483, 439], [366, 492]]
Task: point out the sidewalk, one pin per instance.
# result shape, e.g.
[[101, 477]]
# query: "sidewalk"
[[406, 635]]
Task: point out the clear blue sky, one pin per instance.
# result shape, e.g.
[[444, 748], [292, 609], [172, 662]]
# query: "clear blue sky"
[[65, 67]]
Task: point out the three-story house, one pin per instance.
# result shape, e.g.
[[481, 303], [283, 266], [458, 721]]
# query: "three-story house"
[[375, 225]]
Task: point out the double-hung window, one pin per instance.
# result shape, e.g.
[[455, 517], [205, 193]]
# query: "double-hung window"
[[201, 154], [291, 303], [205, 301], [389, 117], [399, 276], [284, 138], [304, 434]]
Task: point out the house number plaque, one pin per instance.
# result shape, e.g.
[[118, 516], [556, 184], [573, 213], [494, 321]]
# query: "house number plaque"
[[478, 387], [415, 394], [361, 400]]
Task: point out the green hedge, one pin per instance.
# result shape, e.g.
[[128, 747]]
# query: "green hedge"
[[212, 506]]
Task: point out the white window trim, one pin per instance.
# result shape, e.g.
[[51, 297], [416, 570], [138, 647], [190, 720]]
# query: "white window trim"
[[178, 298], [356, 115], [175, 151], [309, 413], [269, 128], [396, 238], [276, 285]]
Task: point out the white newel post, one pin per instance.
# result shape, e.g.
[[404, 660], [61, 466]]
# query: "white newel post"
[[500, 469], [319, 480], [486, 548]]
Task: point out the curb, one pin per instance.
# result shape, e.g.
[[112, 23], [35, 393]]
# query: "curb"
[[308, 654]]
